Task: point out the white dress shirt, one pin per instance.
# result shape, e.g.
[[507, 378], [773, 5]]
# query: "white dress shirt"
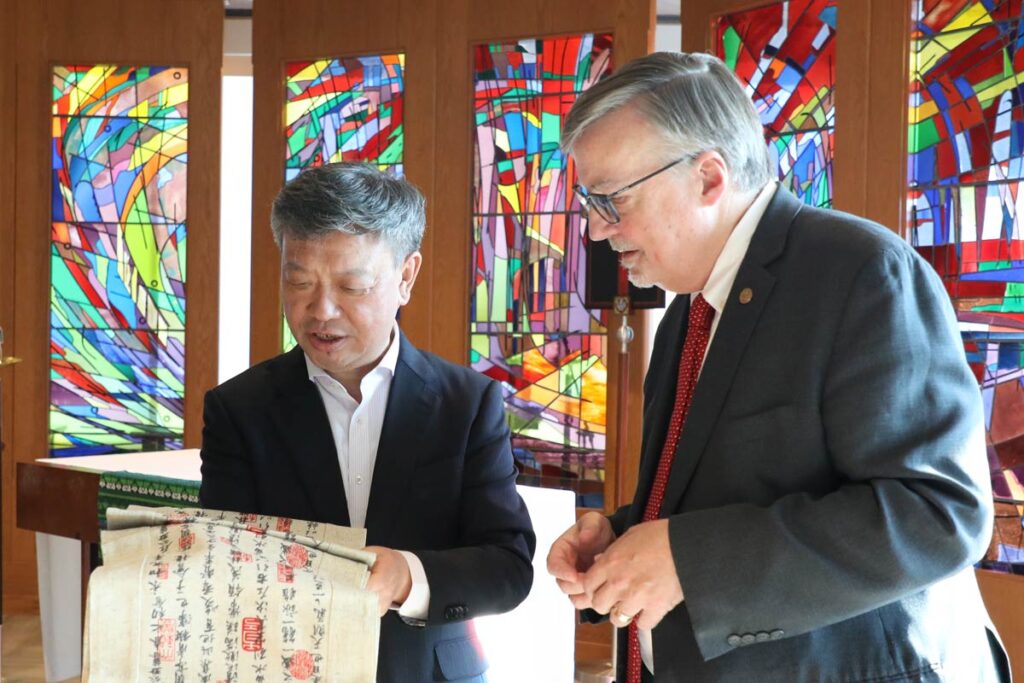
[[716, 293], [356, 427]]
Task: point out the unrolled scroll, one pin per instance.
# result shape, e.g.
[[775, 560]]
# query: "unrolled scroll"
[[204, 595]]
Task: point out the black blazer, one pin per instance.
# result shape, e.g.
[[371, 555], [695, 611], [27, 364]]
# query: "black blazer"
[[830, 490], [443, 487]]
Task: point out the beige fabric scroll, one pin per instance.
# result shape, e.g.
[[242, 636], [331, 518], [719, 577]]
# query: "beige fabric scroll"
[[204, 595]]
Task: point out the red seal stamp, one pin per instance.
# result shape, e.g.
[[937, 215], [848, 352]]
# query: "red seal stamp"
[[252, 634], [284, 525], [165, 643], [239, 556], [186, 540], [284, 573], [161, 571], [301, 665], [298, 556]]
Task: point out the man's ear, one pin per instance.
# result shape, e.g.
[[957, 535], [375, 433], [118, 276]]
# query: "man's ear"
[[410, 269], [714, 177]]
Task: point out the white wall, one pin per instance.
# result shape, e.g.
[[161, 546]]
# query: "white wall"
[[235, 225], [666, 37]]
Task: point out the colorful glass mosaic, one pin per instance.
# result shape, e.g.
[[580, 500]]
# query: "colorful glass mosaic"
[[117, 255], [529, 328], [784, 54], [347, 109], [965, 168]]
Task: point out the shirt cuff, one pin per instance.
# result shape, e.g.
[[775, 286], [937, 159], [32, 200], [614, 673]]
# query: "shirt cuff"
[[417, 605]]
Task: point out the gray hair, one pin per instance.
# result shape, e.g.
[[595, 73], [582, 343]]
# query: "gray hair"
[[693, 99], [354, 198]]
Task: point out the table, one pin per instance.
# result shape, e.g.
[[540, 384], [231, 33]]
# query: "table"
[[57, 498], [75, 482]]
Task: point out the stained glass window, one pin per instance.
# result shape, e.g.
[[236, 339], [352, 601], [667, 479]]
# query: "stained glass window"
[[965, 168], [347, 109], [117, 254], [784, 54], [529, 328]]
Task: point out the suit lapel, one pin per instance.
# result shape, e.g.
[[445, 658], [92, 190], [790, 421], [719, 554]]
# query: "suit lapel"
[[406, 423], [659, 390], [302, 421], [737, 324]]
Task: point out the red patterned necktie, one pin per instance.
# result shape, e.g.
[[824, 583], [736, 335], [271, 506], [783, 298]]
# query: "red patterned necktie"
[[698, 333]]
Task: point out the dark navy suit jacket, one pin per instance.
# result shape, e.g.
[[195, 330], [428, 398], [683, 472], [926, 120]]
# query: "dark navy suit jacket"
[[443, 487]]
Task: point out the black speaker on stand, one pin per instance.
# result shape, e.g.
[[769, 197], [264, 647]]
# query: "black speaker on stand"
[[606, 281], [609, 289]]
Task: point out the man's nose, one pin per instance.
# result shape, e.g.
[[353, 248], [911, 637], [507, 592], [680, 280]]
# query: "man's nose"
[[323, 306], [598, 228]]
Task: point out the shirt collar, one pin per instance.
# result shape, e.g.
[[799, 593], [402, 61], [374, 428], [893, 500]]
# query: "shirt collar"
[[387, 364], [719, 284]]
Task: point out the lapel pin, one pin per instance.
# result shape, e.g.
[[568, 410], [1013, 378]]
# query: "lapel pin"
[[746, 294]]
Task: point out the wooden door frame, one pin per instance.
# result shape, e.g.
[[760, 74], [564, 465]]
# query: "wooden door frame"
[[295, 30], [50, 32]]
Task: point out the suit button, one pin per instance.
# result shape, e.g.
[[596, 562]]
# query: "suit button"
[[733, 640], [454, 612], [777, 634], [748, 639], [762, 636]]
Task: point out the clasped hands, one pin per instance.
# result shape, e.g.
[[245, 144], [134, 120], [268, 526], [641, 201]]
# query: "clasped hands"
[[631, 577]]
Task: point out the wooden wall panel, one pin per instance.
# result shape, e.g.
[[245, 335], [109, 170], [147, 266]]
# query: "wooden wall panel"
[[438, 96], [1003, 595], [470, 23], [7, 218], [293, 30], [437, 39], [885, 131], [49, 32]]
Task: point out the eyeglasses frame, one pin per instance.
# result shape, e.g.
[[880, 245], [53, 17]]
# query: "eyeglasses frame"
[[608, 213]]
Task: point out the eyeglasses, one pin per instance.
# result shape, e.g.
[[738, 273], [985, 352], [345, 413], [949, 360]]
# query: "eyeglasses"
[[602, 204]]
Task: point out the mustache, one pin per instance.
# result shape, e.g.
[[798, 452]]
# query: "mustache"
[[620, 246]]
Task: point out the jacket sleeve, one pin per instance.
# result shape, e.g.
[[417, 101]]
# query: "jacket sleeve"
[[227, 478], [618, 519], [904, 434], [490, 571]]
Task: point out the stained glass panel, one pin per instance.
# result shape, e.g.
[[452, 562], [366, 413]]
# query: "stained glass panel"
[[784, 54], [965, 170], [529, 328], [347, 109], [118, 244]]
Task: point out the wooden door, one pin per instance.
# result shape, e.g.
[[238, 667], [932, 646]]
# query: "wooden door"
[[55, 33]]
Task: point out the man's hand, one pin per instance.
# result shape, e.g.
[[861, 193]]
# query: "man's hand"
[[635, 577], [574, 551], [389, 577]]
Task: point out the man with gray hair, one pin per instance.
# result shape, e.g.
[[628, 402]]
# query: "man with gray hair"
[[357, 427], [813, 486]]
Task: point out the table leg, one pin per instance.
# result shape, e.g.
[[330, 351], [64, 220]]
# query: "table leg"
[[90, 560]]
